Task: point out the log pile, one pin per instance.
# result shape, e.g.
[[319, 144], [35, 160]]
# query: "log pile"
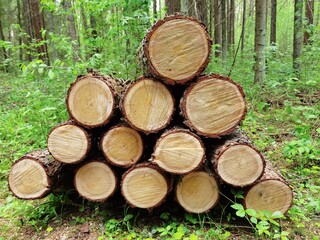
[[171, 130]]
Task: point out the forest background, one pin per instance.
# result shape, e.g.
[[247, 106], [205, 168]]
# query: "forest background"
[[45, 44]]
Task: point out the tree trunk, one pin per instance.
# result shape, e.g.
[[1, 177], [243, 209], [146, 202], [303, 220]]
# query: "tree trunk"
[[297, 36], [51, 29], [231, 16], [243, 27], [202, 101], [34, 175], [154, 7], [20, 26], [273, 23], [173, 6], [217, 27], [169, 46], [95, 181], [4, 51], [144, 186], [72, 30], [178, 151], [224, 30], [27, 22], [260, 41], [197, 192], [309, 18]]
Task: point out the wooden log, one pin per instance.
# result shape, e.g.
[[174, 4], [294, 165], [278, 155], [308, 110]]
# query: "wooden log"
[[144, 186], [237, 162], [95, 181], [147, 105], [176, 49], [272, 193], [34, 175], [122, 146], [197, 192], [68, 143], [213, 106], [178, 151]]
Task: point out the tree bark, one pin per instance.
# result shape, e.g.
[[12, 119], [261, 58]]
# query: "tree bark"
[[231, 16], [243, 27], [4, 51], [309, 18], [297, 36], [224, 31], [260, 41], [273, 23], [72, 30], [173, 6], [20, 26], [217, 27]]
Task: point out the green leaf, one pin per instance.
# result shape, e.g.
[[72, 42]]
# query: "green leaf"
[[253, 220], [277, 214], [237, 206], [251, 212], [193, 237], [51, 74], [241, 213], [127, 217]]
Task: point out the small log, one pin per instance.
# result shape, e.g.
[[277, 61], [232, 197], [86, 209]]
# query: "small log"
[[95, 181], [272, 193], [176, 49], [178, 151], [144, 186], [237, 162], [68, 143], [34, 175], [122, 146], [213, 106], [148, 105], [197, 192]]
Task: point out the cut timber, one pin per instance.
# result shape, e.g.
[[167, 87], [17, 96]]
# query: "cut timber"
[[144, 186], [95, 181], [237, 162], [68, 143], [197, 192], [33, 176], [122, 146], [179, 151], [271, 193], [177, 49], [148, 105], [90, 101], [213, 106]]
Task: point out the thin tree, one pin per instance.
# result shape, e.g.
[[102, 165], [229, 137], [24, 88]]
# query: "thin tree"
[[20, 25], [297, 36], [309, 18], [172, 6], [217, 27], [2, 38], [72, 30], [224, 30], [154, 8], [231, 17], [260, 41], [273, 23], [243, 27]]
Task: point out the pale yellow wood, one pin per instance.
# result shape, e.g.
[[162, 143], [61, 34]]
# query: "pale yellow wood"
[[178, 48], [240, 165], [270, 195], [214, 106], [122, 146], [148, 105], [90, 101], [144, 187], [68, 143], [178, 152], [95, 181], [197, 192], [28, 179]]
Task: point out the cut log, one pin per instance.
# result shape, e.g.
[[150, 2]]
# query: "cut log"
[[144, 186], [34, 175], [95, 181], [237, 162], [272, 193], [148, 105], [178, 151], [69, 143], [197, 192], [91, 101], [122, 146], [213, 106], [176, 49]]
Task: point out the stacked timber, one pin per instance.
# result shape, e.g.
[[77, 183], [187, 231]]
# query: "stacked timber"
[[172, 130]]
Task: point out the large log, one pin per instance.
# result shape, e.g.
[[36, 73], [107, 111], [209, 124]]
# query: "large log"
[[197, 192], [213, 106], [34, 175], [95, 181], [122, 146], [176, 49], [147, 105], [68, 143], [144, 186], [178, 151]]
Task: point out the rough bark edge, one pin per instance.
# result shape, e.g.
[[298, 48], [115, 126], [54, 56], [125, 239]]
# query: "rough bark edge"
[[89, 143], [95, 200], [148, 165], [184, 111], [144, 52], [51, 167], [177, 130], [122, 108], [211, 174], [106, 157]]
